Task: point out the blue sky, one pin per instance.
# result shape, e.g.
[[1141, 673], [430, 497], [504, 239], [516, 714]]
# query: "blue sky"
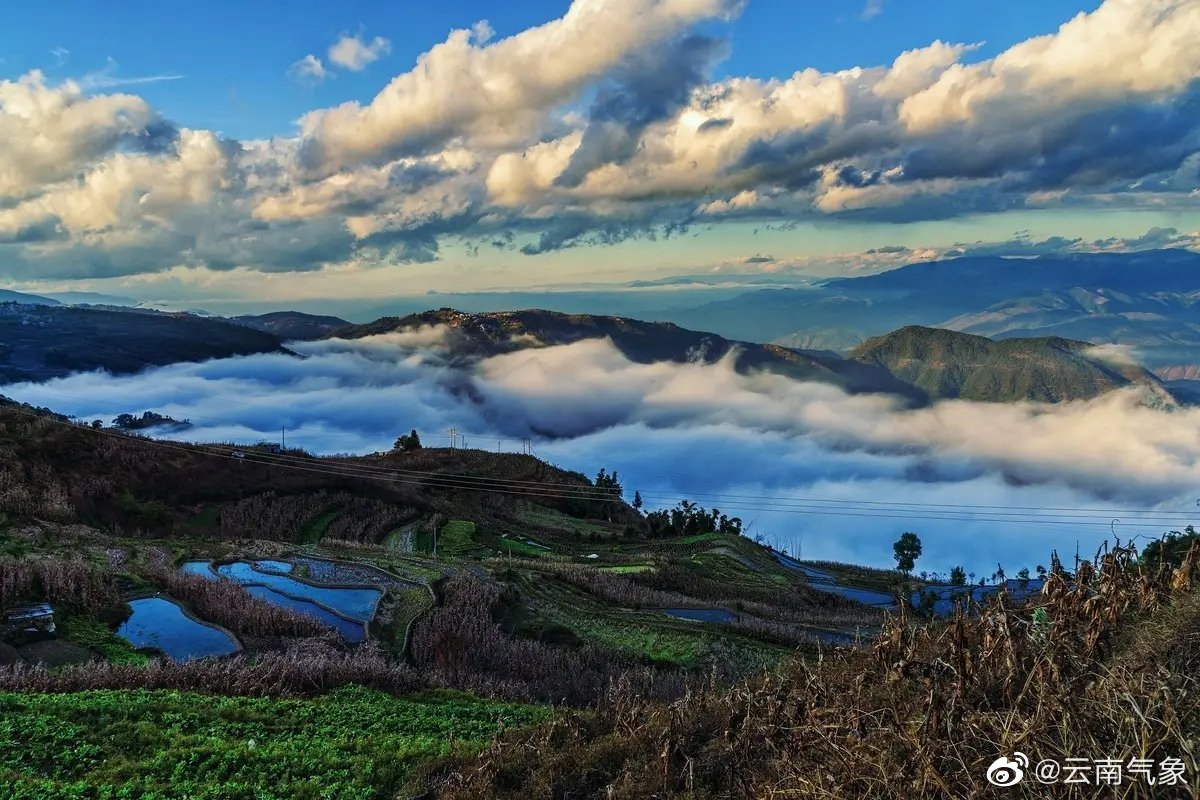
[[233, 56], [293, 150]]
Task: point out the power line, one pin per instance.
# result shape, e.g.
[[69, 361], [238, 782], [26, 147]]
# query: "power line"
[[450, 481], [1091, 510], [457, 440]]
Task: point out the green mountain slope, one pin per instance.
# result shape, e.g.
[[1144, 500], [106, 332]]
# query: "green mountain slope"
[[948, 364]]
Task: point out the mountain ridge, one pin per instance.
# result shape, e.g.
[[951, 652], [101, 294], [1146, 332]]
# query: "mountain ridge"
[[1148, 298], [1047, 369], [948, 364], [41, 342]]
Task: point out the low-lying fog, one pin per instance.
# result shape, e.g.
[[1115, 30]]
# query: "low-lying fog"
[[769, 449]]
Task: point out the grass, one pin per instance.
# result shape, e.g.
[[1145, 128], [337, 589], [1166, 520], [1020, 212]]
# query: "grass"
[[646, 636], [511, 544], [700, 537], [566, 532], [354, 743], [13, 546], [96, 636], [313, 530], [208, 517], [410, 604], [456, 539]]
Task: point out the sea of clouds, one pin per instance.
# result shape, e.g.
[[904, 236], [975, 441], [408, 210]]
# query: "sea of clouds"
[[769, 449]]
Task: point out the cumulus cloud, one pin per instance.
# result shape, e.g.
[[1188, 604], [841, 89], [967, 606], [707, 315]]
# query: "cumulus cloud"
[[499, 92], [49, 133], [353, 53], [782, 454], [309, 69], [604, 125]]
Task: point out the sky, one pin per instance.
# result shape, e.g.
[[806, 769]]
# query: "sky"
[[301, 150]]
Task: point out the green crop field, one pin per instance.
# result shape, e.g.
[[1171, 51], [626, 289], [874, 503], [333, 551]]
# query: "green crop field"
[[353, 744], [98, 637], [456, 539]]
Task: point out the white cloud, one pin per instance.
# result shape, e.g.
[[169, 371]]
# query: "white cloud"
[[498, 92], [48, 133], [308, 70], [130, 189], [872, 9], [486, 139], [706, 432], [1124, 48], [107, 78], [355, 54]]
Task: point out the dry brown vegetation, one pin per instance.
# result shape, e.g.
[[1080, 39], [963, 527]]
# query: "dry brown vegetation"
[[229, 605], [460, 642], [271, 516], [1102, 668], [367, 521], [76, 584], [306, 669]]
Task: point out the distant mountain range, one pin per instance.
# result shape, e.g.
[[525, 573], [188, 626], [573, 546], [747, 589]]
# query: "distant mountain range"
[[1147, 299], [38, 342], [291, 324], [486, 334], [7, 296], [866, 334], [918, 363]]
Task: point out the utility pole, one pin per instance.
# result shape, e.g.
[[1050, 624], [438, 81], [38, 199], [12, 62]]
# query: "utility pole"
[[453, 432], [283, 438]]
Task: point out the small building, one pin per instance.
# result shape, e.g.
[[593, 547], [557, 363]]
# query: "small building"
[[27, 618]]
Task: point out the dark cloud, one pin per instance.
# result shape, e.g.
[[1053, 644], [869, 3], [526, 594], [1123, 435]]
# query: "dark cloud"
[[647, 89], [1099, 148], [710, 125], [850, 175]]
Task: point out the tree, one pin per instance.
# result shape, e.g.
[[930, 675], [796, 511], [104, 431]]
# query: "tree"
[[958, 576], [1170, 549], [907, 549], [408, 442], [606, 480], [637, 500]]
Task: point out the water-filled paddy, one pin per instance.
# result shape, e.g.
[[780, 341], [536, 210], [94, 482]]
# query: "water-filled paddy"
[[824, 581], [350, 630], [357, 603], [159, 623], [947, 597]]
